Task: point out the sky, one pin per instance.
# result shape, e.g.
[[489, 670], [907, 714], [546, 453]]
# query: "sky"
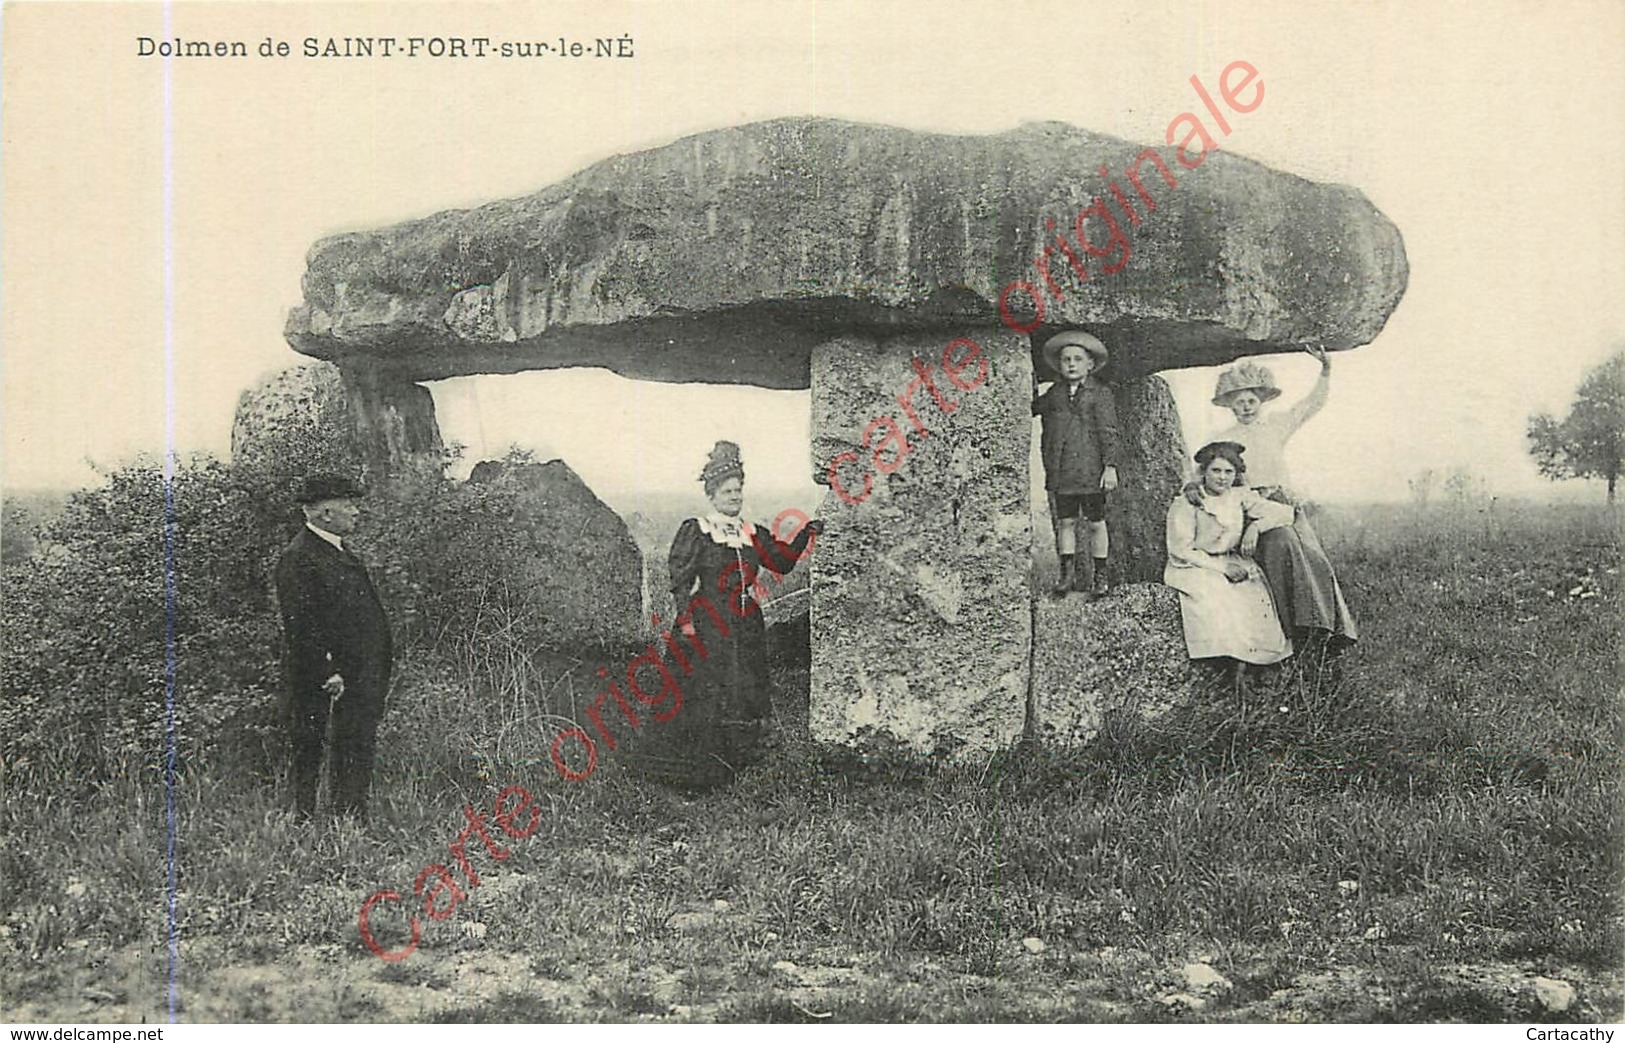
[[157, 212]]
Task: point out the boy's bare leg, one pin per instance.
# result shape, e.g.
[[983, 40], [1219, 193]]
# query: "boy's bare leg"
[[1066, 536]]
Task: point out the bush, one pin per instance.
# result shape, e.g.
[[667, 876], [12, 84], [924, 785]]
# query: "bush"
[[135, 584], [142, 581]]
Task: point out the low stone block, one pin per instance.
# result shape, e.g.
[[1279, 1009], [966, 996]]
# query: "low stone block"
[[1123, 653]]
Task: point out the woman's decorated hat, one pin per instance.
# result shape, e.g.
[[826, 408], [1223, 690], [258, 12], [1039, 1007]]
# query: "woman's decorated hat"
[[723, 463], [1091, 344], [1248, 376]]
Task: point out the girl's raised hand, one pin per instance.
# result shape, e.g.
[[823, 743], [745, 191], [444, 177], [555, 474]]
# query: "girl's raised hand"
[[1319, 352]]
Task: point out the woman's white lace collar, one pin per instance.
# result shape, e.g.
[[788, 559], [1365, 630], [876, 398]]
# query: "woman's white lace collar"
[[726, 530]]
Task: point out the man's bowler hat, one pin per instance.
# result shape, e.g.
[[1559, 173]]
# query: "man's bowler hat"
[[319, 487]]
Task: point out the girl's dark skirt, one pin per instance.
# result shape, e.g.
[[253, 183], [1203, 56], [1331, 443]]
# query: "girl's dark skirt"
[[1302, 581]]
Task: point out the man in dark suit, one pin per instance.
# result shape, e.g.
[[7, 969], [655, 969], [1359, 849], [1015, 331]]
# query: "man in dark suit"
[[336, 648]]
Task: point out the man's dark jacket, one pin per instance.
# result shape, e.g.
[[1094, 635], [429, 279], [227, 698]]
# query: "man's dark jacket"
[[332, 623]]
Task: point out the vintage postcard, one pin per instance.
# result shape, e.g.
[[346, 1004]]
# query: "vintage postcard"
[[735, 512]]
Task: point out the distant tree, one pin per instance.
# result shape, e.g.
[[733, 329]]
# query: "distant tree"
[[1463, 487], [1590, 441], [1423, 486]]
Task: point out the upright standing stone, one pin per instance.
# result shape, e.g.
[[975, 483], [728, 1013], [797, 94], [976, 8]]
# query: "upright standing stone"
[[1152, 471], [319, 417], [922, 613], [393, 419]]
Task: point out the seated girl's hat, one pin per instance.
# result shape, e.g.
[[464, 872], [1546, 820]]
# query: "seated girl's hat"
[[1231, 451], [1091, 344], [1248, 376]]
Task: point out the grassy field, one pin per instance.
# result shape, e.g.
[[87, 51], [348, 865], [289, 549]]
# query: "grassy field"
[[1419, 847]]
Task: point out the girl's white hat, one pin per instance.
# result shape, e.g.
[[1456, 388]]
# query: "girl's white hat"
[[1248, 376]]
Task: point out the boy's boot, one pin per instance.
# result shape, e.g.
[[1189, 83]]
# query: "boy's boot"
[[1080, 577], [1101, 588], [1067, 577]]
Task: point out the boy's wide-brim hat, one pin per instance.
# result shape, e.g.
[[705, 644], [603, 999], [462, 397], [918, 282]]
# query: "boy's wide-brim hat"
[[1089, 343], [1249, 376], [318, 487]]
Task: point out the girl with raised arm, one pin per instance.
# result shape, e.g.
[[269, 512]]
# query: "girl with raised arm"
[[1308, 599]]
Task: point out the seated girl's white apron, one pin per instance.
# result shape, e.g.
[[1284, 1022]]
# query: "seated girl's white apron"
[[1222, 618]]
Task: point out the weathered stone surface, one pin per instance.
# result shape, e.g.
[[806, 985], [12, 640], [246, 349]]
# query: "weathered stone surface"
[[1151, 471], [300, 404], [585, 573], [318, 415], [726, 256], [921, 620], [1124, 653]]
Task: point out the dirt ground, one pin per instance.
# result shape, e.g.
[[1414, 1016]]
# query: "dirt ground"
[[735, 970]]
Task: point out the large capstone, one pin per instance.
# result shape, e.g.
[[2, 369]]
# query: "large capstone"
[[846, 257], [727, 256], [921, 622]]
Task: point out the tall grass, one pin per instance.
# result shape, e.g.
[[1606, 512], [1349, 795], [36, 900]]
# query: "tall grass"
[[1454, 803]]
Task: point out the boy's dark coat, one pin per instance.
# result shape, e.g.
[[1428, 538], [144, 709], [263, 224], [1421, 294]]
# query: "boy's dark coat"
[[1080, 436]]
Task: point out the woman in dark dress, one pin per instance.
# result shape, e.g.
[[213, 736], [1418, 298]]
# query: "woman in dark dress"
[[720, 564]]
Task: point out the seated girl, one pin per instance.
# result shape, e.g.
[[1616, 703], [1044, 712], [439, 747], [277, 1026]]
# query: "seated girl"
[[1225, 601]]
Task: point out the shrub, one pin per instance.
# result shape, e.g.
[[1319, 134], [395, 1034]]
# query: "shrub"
[[136, 584], [142, 581]]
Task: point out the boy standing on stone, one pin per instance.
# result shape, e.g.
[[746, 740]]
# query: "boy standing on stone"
[[1079, 446]]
